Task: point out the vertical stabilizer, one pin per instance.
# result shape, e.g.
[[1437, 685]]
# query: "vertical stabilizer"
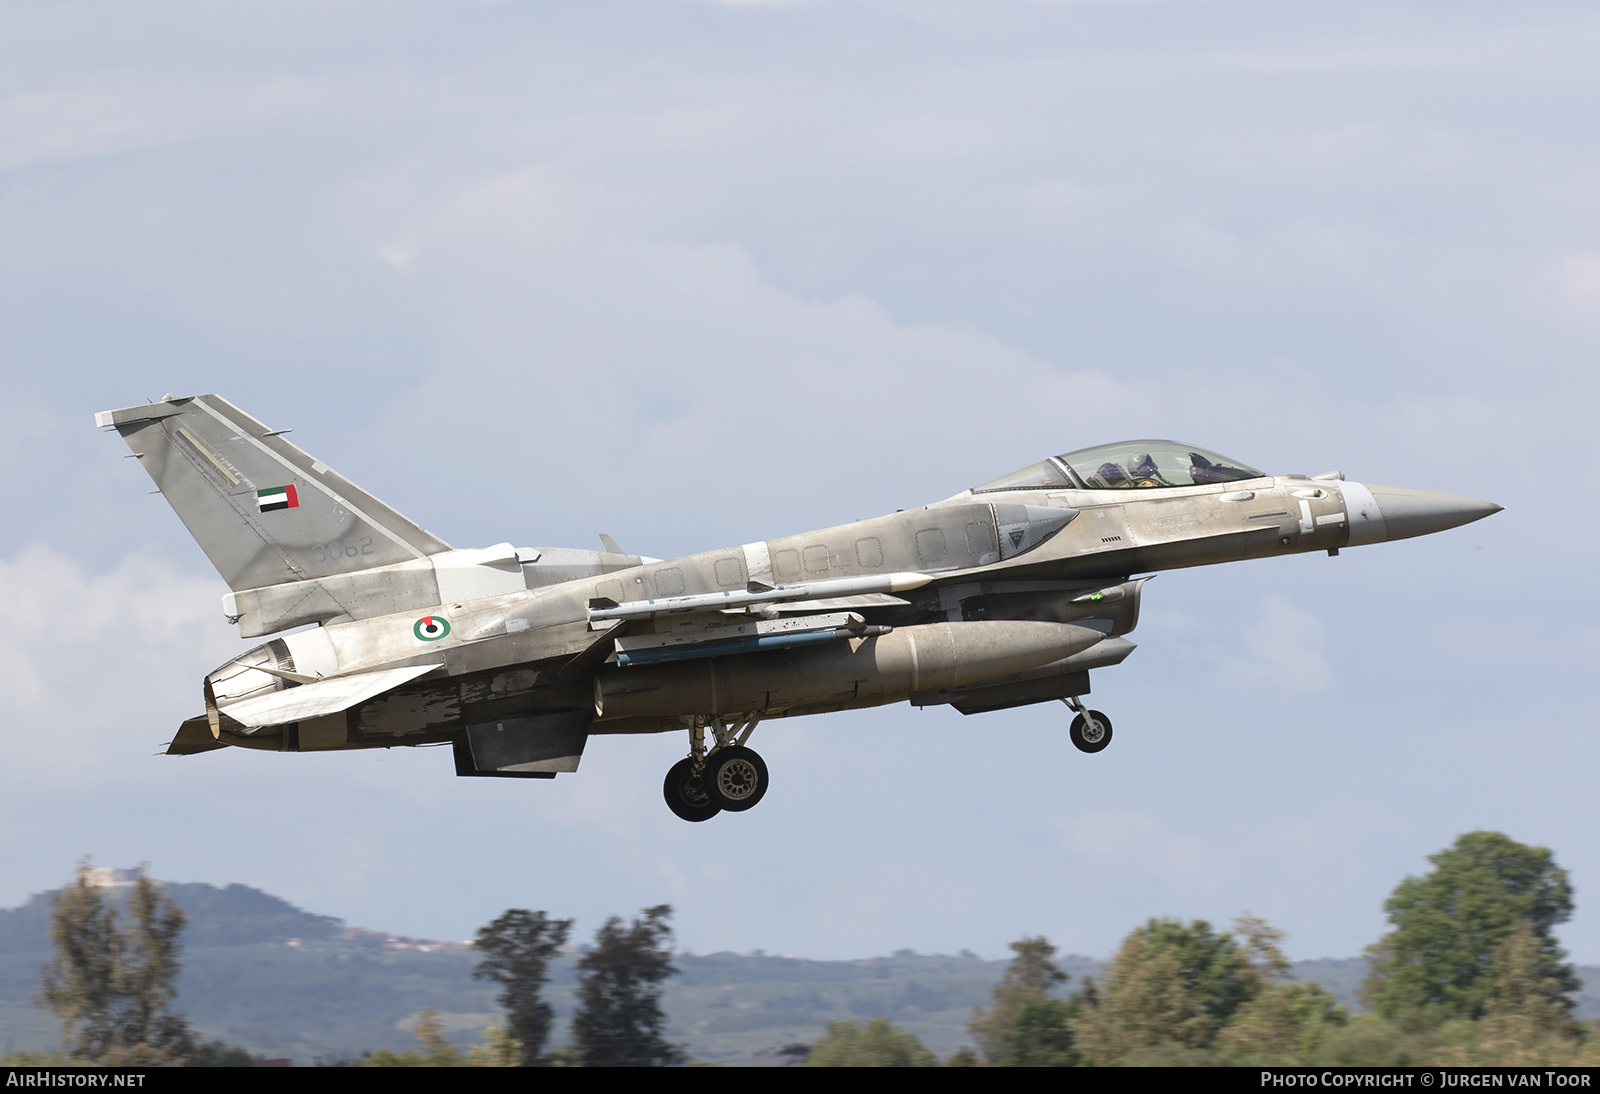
[[263, 511]]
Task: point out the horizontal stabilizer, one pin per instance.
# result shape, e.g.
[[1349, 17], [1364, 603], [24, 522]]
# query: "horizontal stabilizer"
[[324, 697], [194, 737]]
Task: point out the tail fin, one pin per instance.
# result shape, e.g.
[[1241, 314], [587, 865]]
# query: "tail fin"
[[263, 511]]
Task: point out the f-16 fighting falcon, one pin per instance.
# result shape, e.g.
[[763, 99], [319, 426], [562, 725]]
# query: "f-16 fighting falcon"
[[1006, 594]]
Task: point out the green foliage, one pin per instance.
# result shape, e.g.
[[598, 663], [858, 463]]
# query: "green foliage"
[[1216, 973], [1171, 987], [42, 1059], [1448, 924], [112, 989], [500, 1049], [220, 1054], [1525, 1023], [1282, 1024], [1041, 1034], [1418, 1039], [1025, 1026], [879, 1044], [432, 1049], [1146, 1003], [1185, 995], [517, 949], [619, 1022]]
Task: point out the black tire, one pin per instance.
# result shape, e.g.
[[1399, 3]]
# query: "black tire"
[[736, 778], [686, 795], [1083, 743]]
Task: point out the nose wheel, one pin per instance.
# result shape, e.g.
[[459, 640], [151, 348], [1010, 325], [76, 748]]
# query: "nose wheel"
[[729, 777], [1091, 730]]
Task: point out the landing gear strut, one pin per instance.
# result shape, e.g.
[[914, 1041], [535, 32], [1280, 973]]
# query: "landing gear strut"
[[729, 776], [1091, 730]]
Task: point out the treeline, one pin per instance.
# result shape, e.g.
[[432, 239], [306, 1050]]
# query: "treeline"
[[1470, 975], [619, 1021], [113, 984]]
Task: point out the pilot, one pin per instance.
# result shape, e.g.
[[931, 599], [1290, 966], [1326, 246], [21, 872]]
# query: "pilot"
[[1144, 472], [1113, 475], [1203, 471]]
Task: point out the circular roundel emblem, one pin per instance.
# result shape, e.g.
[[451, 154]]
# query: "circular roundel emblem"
[[431, 628]]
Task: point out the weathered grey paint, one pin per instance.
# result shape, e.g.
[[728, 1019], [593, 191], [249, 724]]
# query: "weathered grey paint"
[[981, 601]]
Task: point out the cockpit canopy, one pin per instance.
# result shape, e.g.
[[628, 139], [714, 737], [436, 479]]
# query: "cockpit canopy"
[[1126, 465]]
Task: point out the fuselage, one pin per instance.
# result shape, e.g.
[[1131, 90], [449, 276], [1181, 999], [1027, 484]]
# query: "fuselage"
[[1024, 582]]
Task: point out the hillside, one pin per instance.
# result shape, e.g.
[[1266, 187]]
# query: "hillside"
[[284, 982]]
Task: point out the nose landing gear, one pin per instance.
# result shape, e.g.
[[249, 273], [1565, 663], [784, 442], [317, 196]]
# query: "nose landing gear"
[[730, 776], [1091, 730]]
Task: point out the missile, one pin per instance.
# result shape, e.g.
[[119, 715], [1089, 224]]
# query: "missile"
[[601, 610]]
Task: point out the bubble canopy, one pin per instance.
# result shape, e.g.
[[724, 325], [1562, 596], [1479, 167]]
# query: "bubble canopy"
[[1127, 465]]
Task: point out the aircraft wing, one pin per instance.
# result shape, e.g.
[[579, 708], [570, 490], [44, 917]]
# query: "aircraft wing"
[[323, 697]]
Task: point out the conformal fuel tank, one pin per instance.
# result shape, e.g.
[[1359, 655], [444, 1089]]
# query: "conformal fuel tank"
[[859, 672]]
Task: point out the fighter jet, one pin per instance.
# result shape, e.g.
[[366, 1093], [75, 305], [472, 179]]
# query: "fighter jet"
[[1004, 595]]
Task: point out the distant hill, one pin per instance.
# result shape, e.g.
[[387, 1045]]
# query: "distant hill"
[[235, 916], [283, 982]]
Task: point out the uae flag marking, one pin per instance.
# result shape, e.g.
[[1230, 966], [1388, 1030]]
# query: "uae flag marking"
[[277, 497]]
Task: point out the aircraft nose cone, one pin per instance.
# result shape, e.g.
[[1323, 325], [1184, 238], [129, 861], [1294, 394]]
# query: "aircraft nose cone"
[[1408, 512]]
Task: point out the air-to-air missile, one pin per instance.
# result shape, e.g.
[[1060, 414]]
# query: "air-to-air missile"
[[1004, 595]]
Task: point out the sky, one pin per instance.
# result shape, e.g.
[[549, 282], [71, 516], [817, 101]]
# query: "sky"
[[694, 273]]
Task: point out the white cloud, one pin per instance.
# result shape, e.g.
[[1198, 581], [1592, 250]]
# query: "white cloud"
[[1280, 650], [86, 659], [1579, 283]]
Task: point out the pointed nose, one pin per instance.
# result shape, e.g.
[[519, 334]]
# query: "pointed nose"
[[1408, 512]]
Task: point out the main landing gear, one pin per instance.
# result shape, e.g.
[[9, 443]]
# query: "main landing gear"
[[1091, 730], [729, 776]]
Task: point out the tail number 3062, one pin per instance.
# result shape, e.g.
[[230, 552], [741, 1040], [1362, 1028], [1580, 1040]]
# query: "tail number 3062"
[[334, 549]]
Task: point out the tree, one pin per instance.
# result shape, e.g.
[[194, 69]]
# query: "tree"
[[500, 1048], [150, 971], [880, 1044], [1041, 1035], [1145, 1003], [619, 1022], [113, 990], [517, 949], [1525, 1023], [432, 1049], [1179, 993], [1025, 1026], [1448, 925]]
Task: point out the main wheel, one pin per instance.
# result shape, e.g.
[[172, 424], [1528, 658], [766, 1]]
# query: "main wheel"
[[1091, 731], [736, 778], [686, 795]]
